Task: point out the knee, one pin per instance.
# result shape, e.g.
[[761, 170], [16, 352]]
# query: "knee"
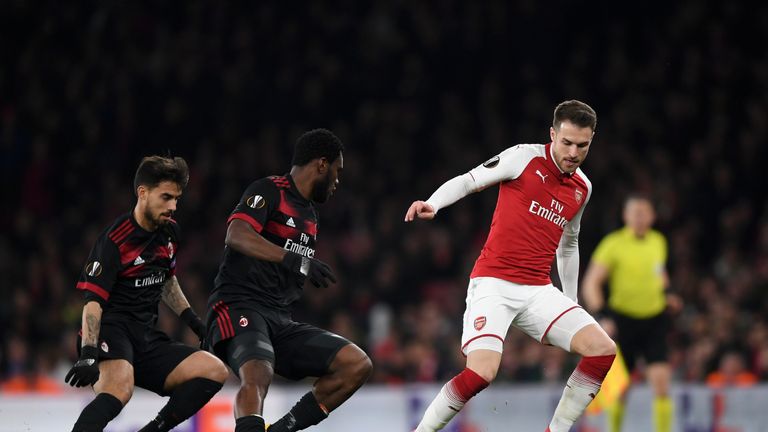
[[486, 371], [604, 346], [217, 371], [122, 393], [362, 369]]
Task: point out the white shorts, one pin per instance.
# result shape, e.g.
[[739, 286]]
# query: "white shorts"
[[542, 312]]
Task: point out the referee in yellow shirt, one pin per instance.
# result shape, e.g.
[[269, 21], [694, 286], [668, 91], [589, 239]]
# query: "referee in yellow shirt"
[[632, 260]]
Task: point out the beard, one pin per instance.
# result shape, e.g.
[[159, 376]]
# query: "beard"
[[156, 221], [322, 189]]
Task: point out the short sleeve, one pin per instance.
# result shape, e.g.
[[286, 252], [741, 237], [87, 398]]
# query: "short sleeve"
[[100, 272], [256, 204], [604, 253]]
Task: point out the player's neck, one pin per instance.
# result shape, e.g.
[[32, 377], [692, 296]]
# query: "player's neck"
[[143, 222], [302, 178]]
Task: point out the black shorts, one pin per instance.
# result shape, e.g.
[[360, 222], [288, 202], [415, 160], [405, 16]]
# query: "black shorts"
[[642, 338], [151, 352], [296, 350]]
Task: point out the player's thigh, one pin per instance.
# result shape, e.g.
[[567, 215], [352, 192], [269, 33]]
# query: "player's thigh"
[[160, 356], [200, 364], [492, 305], [116, 379], [552, 318], [303, 350], [249, 339]]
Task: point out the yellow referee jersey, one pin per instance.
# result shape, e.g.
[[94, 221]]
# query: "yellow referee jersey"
[[636, 268]]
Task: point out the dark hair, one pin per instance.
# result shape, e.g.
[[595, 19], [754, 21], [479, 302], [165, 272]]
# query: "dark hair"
[[154, 170], [576, 112], [314, 144]]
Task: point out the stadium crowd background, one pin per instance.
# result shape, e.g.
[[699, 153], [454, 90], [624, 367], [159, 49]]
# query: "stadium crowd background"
[[418, 94]]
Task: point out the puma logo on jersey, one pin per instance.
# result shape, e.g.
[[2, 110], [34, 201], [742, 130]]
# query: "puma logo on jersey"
[[291, 223], [138, 261], [543, 176]]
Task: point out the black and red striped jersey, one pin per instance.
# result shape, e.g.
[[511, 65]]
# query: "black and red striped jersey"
[[128, 267], [275, 209]]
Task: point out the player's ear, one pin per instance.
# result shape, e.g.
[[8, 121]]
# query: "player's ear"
[[141, 192], [552, 133], [322, 165]]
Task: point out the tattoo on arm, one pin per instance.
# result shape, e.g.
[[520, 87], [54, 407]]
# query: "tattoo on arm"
[[173, 296], [91, 324]]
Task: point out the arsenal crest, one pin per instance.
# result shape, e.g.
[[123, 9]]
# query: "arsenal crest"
[[578, 195], [480, 323]]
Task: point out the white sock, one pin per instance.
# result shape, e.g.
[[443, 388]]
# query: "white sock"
[[581, 388], [451, 399], [440, 412]]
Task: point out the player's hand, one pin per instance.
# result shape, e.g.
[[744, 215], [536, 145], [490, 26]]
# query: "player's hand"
[[190, 318], [85, 372], [318, 272], [421, 210]]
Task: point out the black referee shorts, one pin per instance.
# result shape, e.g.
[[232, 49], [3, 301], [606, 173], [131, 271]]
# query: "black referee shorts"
[[642, 338], [151, 352], [296, 350]]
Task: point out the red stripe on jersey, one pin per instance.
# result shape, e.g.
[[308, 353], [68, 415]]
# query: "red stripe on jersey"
[[555, 320], [287, 208], [124, 235], [251, 221], [220, 322], [481, 336], [281, 182], [281, 230], [92, 287], [119, 230], [310, 227], [129, 251], [133, 271]]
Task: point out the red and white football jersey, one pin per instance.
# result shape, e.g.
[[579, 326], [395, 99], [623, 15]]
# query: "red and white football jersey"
[[537, 203]]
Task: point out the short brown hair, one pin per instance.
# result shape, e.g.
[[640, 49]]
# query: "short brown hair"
[[154, 170], [576, 112]]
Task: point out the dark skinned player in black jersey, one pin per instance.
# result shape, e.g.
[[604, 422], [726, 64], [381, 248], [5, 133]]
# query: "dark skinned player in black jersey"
[[269, 254], [130, 269]]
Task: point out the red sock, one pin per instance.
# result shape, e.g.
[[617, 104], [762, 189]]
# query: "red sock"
[[465, 385]]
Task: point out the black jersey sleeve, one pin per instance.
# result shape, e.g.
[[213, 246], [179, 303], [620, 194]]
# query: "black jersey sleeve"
[[100, 273], [259, 200]]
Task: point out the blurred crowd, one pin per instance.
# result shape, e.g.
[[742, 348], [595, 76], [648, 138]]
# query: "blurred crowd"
[[419, 92]]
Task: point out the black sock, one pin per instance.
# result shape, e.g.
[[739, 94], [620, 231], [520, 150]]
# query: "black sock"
[[187, 398], [251, 423], [305, 413], [98, 413]]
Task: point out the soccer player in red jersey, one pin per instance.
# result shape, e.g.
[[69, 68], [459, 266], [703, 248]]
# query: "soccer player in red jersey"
[[542, 195], [131, 268]]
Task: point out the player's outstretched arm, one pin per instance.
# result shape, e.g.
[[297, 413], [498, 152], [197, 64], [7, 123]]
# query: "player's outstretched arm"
[[421, 210]]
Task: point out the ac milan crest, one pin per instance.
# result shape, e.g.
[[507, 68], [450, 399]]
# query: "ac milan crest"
[[578, 195], [243, 321], [480, 323], [170, 249]]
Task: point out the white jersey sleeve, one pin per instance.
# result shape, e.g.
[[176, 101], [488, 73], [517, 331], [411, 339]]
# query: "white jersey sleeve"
[[568, 250], [507, 165]]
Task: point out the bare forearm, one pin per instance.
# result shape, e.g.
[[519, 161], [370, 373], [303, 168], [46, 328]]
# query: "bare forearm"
[[174, 297], [91, 324], [242, 238]]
